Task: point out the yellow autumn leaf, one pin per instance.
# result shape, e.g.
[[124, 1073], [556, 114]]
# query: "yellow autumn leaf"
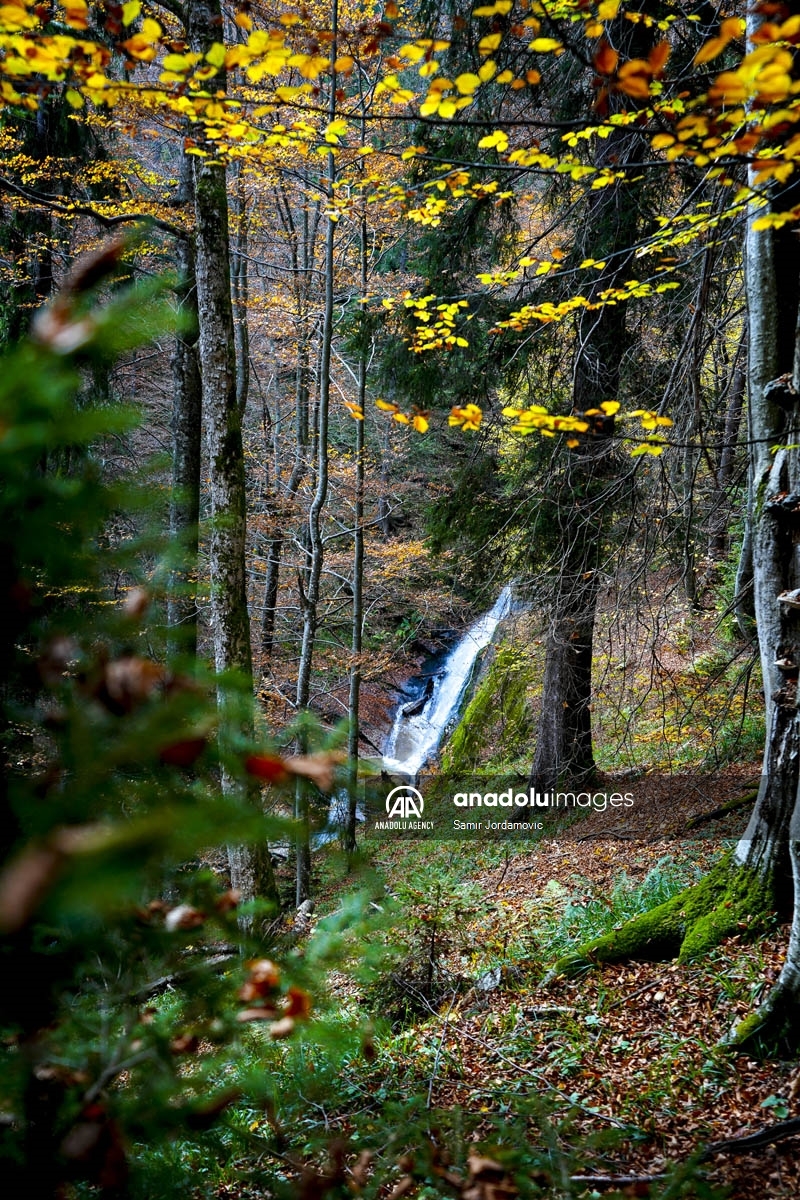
[[467, 83], [420, 423], [497, 140], [709, 51], [411, 52], [130, 11], [489, 43], [544, 45]]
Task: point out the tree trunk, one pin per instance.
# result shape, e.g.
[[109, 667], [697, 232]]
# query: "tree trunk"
[[357, 628], [310, 590], [302, 242], [764, 871], [251, 873], [564, 734], [583, 501], [184, 509], [720, 503], [240, 284]]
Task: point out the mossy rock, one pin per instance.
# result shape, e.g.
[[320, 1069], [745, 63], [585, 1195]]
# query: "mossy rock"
[[498, 713]]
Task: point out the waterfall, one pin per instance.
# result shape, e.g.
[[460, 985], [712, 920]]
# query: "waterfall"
[[415, 736]]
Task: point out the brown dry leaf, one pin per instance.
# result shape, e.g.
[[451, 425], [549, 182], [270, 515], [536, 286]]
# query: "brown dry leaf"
[[228, 901], [26, 881], [136, 602], [263, 1013], [483, 1168], [319, 768], [183, 917], [360, 1169], [129, 681], [402, 1187], [264, 976], [282, 1028], [298, 1003], [184, 1043]]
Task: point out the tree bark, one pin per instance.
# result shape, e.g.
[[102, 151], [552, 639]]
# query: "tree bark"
[[720, 502], [302, 242], [310, 591], [583, 497], [184, 509], [357, 627], [240, 284], [250, 869]]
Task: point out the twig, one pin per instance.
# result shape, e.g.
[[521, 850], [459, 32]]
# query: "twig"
[[753, 1141], [439, 1050], [724, 810], [614, 1181], [157, 986], [540, 1078], [750, 1141]]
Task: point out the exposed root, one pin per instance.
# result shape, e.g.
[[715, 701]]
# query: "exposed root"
[[728, 900], [772, 1029]]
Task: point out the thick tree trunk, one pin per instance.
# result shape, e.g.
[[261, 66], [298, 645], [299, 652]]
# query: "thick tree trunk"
[[773, 287], [764, 871], [770, 847], [564, 734], [251, 873], [584, 496]]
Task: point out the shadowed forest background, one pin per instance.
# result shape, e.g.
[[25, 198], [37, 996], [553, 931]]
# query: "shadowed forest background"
[[345, 348]]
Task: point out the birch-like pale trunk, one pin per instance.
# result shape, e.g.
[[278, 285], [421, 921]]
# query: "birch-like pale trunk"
[[310, 590], [357, 627], [772, 264], [771, 844]]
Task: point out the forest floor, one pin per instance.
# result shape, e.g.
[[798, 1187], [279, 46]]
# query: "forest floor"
[[619, 1072], [621, 1065]]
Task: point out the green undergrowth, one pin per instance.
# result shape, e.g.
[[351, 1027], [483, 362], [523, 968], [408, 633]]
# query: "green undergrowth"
[[357, 1080], [580, 919], [726, 901]]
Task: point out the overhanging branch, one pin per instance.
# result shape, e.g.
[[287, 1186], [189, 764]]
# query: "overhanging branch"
[[88, 210]]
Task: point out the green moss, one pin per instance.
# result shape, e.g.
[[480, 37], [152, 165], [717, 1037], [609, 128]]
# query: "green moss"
[[747, 1030], [727, 901], [497, 714], [773, 1028]]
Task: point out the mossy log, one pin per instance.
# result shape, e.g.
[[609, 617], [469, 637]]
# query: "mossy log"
[[729, 900]]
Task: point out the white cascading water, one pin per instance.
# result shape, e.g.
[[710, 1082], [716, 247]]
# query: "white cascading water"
[[414, 739]]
